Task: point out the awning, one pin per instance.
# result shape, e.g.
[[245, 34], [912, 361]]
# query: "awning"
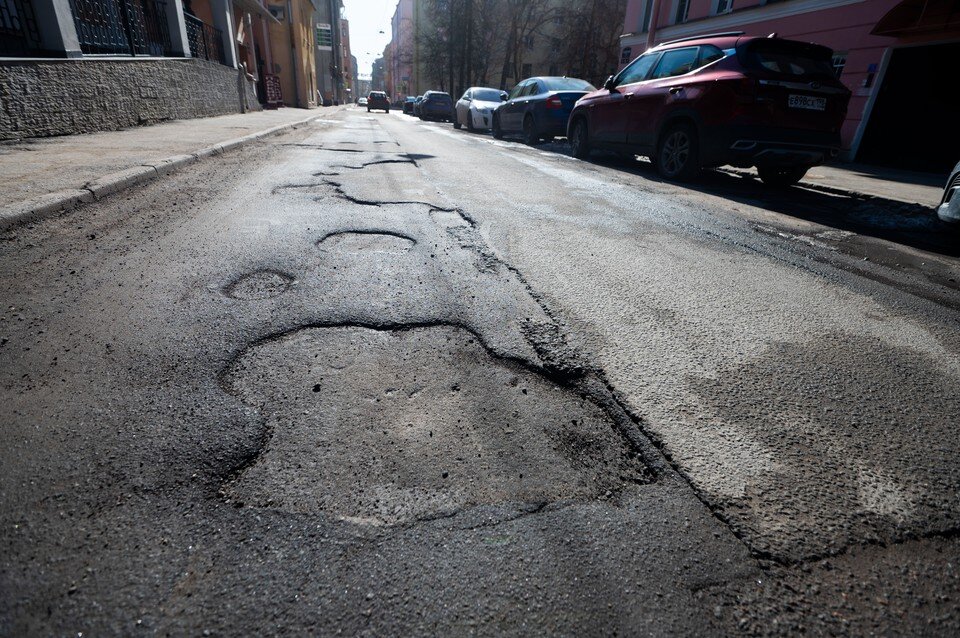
[[255, 7], [920, 16]]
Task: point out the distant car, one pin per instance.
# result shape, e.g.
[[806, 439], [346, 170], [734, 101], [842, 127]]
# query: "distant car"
[[719, 99], [436, 105], [475, 109], [408, 104], [378, 100], [362, 101], [949, 210], [416, 105], [538, 108]]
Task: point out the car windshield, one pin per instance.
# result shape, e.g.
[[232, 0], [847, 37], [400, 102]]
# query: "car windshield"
[[486, 95], [567, 84], [788, 58]]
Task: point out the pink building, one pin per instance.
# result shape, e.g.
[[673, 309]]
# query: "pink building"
[[403, 52], [900, 58]]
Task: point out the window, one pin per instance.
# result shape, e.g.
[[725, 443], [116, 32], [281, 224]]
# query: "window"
[[676, 62], [708, 54], [683, 8], [646, 17], [529, 41], [625, 55], [639, 70], [839, 61], [517, 90], [722, 6], [532, 89]]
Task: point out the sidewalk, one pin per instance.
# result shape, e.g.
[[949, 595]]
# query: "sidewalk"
[[867, 182], [40, 176]]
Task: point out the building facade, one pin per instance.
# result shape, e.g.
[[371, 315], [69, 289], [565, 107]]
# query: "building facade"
[[896, 57], [76, 66]]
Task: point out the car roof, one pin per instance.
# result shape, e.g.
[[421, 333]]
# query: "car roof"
[[721, 42]]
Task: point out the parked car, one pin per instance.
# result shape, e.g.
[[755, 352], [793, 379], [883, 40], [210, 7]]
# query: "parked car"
[[378, 100], [408, 104], [949, 209], [475, 109], [539, 108], [436, 105], [416, 105], [361, 101], [722, 99]]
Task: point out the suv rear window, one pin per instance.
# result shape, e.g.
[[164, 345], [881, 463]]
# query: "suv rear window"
[[786, 57]]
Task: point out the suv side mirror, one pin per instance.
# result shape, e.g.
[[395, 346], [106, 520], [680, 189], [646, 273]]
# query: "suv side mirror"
[[504, 96], [610, 84]]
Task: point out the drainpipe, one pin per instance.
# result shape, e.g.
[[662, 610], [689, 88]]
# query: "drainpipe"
[[654, 21], [293, 54]]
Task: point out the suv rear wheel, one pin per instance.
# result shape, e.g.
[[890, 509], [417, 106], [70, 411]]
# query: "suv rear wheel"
[[497, 131], [678, 153], [781, 175]]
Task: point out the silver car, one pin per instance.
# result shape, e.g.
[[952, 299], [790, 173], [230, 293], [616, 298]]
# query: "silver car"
[[475, 109], [949, 210]]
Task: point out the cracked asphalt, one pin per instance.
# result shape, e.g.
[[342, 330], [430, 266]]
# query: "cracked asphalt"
[[378, 377]]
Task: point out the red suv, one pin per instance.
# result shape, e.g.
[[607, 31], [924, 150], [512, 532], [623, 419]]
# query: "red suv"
[[719, 99], [378, 100]]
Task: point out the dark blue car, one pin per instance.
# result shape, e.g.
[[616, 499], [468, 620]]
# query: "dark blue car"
[[436, 105], [538, 108]]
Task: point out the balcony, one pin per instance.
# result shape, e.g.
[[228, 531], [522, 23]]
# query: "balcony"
[[206, 42]]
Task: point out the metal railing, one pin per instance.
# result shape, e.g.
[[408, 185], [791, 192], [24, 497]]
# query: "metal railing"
[[122, 27], [206, 42], [18, 28]]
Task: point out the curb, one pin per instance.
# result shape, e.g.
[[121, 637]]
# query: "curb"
[[843, 192], [38, 208]]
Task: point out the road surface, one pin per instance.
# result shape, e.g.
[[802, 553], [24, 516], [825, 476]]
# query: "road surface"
[[381, 377]]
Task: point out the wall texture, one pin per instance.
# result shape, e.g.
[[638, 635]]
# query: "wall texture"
[[61, 97]]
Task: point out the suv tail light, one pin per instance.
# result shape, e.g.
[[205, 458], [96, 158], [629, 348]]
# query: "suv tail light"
[[554, 102]]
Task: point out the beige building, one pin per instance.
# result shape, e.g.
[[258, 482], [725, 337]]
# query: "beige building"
[[292, 43]]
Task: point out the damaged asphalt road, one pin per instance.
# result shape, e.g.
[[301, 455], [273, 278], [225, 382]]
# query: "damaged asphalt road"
[[374, 377]]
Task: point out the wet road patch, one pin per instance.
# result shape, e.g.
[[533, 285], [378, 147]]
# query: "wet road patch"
[[361, 241], [390, 426], [262, 284]]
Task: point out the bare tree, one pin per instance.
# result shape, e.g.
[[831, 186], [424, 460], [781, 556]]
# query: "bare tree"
[[590, 35]]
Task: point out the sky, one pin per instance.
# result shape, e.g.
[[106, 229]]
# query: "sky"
[[367, 19]]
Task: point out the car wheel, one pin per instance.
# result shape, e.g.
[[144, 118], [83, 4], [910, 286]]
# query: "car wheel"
[[368, 109], [530, 136], [580, 140], [678, 153], [781, 175], [386, 110], [497, 131], [456, 122], [470, 126]]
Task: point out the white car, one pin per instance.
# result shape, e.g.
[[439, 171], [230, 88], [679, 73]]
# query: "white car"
[[362, 101], [475, 109]]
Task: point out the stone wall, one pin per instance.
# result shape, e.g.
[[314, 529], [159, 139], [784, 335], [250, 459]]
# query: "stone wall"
[[61, 97]]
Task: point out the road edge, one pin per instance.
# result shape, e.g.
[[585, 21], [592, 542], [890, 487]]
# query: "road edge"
[[50, 204]]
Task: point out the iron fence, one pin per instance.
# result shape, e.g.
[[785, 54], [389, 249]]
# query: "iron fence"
[[18, 28], [206, 42], [122, 27]]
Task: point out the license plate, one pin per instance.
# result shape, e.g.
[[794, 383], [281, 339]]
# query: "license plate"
[[807, 102]]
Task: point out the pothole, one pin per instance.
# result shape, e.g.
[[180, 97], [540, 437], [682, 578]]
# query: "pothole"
[[390, 426], [356, 241], [262, 284]]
